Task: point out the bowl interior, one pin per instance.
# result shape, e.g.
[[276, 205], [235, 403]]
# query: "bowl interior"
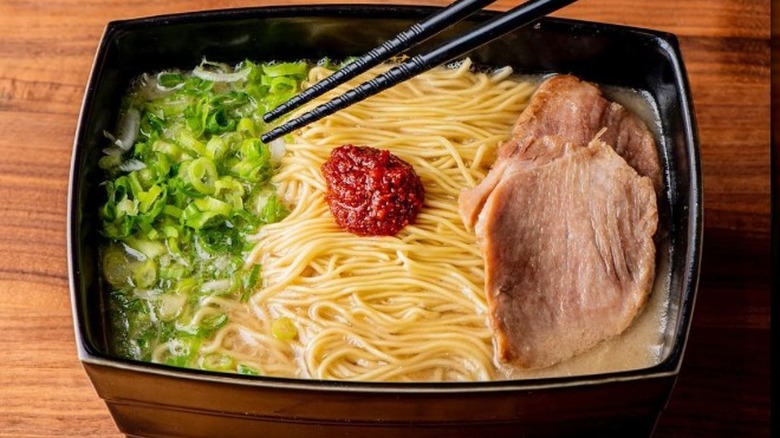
[[613, 55]]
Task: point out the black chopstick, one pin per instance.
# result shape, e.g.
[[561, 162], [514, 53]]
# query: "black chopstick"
[[488, 31], [416, 34]]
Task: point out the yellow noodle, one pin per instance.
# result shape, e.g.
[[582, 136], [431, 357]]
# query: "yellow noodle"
[[410, 307]]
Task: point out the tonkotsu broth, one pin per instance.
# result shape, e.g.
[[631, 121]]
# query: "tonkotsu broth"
[[331, 305]]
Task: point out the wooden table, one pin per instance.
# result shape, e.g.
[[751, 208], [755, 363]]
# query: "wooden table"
[[46, 51]]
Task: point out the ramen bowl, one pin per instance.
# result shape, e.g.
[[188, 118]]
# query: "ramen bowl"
[[147, 399]]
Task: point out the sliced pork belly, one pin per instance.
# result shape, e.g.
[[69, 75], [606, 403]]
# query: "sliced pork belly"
[[565, 219], [535, 153], [568, 249], [575, 110]]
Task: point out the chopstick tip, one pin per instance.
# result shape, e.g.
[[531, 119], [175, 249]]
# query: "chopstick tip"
[[270, 116], [270, 136]]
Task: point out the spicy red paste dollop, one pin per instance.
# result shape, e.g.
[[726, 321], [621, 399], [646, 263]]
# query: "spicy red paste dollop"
[[371, 192]]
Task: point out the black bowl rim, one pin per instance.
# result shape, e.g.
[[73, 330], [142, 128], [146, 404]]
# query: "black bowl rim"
[[669, 367]]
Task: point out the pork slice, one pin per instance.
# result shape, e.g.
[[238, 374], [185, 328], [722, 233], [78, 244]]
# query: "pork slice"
[[575, 110], [536, 153], [569, 252], [565, 108]]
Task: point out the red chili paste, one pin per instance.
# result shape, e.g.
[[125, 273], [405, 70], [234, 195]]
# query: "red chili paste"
[[371, 192]]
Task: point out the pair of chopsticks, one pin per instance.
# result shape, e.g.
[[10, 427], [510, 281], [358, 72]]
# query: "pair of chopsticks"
[[513, 19]]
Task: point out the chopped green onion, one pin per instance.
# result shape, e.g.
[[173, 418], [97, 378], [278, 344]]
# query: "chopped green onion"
[[116, 266], [247, 370], [218, 362], [170, 80], [145, 273], [181, 201], [295, 69], [283, 329], [201, 173], [249, 281]]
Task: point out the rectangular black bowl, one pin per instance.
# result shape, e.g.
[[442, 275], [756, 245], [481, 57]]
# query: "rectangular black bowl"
[[153, 400]]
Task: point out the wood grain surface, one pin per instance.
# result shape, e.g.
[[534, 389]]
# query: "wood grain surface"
[[46, 51]]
